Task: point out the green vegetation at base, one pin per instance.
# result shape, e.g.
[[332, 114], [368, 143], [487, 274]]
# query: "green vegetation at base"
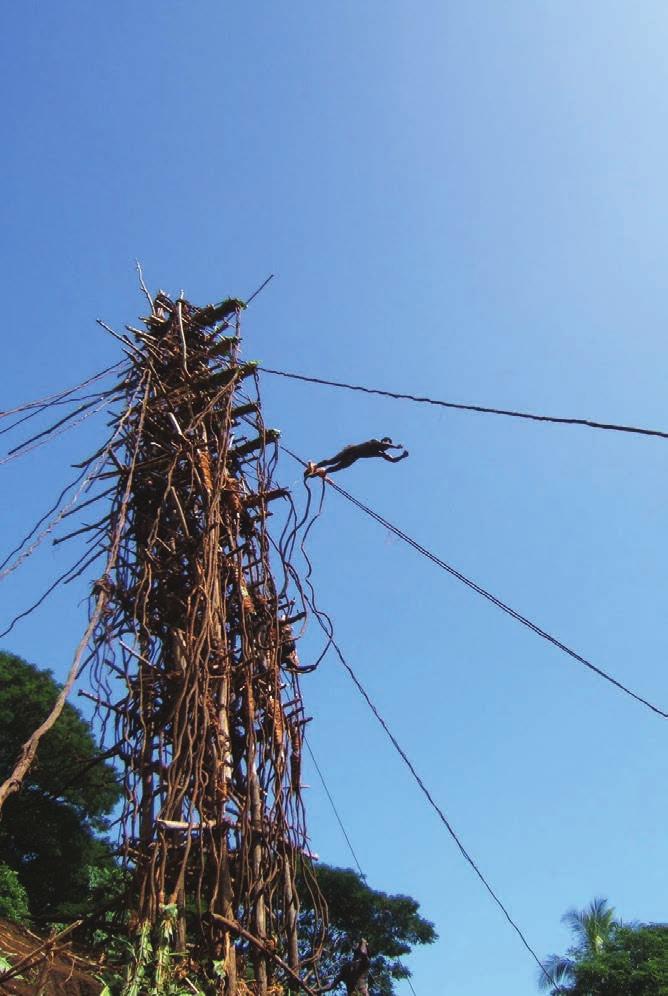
[[50, 833], [13, 897]]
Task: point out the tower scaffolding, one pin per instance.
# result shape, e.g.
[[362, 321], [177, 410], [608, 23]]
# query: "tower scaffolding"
[[195, 670]]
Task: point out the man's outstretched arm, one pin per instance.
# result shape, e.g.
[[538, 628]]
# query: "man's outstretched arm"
[[396, 459]]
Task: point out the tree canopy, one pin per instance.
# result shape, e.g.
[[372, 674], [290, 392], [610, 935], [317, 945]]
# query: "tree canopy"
[[632, 962], [591, 927], [50, 831], [609, 958], [391, 925]]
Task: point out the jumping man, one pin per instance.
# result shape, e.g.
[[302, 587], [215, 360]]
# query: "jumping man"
[[357, 451]]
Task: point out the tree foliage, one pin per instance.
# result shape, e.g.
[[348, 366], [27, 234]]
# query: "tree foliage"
[[390, 923], [610, 959], [591, 928], [13, 897], [50, 830], [633, 962]]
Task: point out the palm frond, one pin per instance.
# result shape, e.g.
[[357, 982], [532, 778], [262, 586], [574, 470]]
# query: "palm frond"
[[557, 969], [592, 926]]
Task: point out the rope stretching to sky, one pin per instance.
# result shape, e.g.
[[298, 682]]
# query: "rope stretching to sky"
[[327, 626], [487, 594], [470, 408]]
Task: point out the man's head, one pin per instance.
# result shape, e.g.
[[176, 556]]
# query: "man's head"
[[386, 439]]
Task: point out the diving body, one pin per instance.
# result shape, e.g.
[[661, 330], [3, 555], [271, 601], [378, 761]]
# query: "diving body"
[[356, 451]]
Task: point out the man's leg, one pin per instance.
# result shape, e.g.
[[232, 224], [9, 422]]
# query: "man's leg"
[[326, 463], [319, 469], [332, 466]]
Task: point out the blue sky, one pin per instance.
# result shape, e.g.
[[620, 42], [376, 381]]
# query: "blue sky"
[[465, 200]]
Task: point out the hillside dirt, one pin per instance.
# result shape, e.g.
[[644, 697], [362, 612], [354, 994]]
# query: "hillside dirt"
[[62, 972]]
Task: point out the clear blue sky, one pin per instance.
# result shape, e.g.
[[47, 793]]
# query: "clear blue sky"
[[466, 200]]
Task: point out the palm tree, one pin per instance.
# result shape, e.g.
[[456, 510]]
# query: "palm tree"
[[592, 927]]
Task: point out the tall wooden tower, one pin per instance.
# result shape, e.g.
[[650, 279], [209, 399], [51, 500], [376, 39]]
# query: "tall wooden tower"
[[196, 669]]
